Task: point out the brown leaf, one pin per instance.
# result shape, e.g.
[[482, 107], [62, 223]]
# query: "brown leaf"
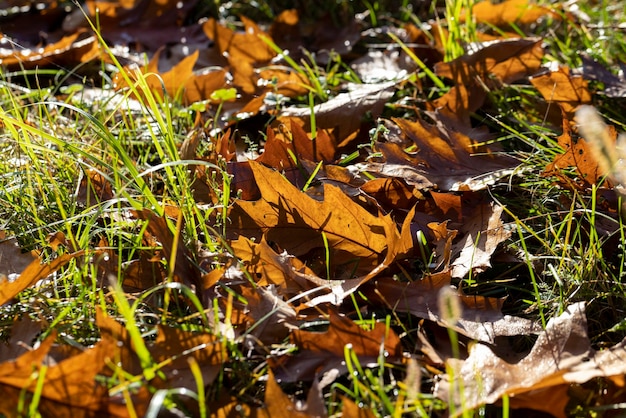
[[349, 409], [150, 24], [172, 348], [508, 60], [185, 271], [519, 12], [67, 52], [32, 274], [273, 318], [244, 51], [344, 111], [70, 387], [566, 90], [277, 403], [483, 232], [268, 268], [561, 355], [577, 154], [12, 260], [94, 188], [448, 159], [180, 81], [359, 241], [481, 318], [323, 351]]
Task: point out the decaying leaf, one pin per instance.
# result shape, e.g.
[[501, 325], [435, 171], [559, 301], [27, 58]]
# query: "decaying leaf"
[[561, 355], [480, 319]]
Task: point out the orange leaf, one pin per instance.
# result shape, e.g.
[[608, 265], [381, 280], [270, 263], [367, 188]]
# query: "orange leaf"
[[32, 274], [295, 222], [560, 87], [519, 12], [68, 52], [577, 154]]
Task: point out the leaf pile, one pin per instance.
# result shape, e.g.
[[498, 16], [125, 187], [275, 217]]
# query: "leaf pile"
[[407, 228]]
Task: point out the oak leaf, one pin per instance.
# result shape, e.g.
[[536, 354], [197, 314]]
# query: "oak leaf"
[[320, 352], [519, 12], [481, 318], [362, 242], [448, 159], [561, 87], [562, 355]]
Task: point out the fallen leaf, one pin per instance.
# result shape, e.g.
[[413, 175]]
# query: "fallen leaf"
[[69, 386], [359, 241], [561, 355], [277, 403], [560, 87], [179, 257], [344, 111], [450, 160], [320, 352], [32, 274], [577, 154], [519, 12], [179, 82], [481, 235], [149, 24], [12, 259], [481, 318], [66, 53]]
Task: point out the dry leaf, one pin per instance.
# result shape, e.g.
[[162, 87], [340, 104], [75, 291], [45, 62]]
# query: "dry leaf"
[[483, 232], [519, 12], [481, 318], [321, 352], [577, 154], [66, 53], [450, 160], [566, 90], [561, 355], [32, 274], [12, 260], [359, 241]]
